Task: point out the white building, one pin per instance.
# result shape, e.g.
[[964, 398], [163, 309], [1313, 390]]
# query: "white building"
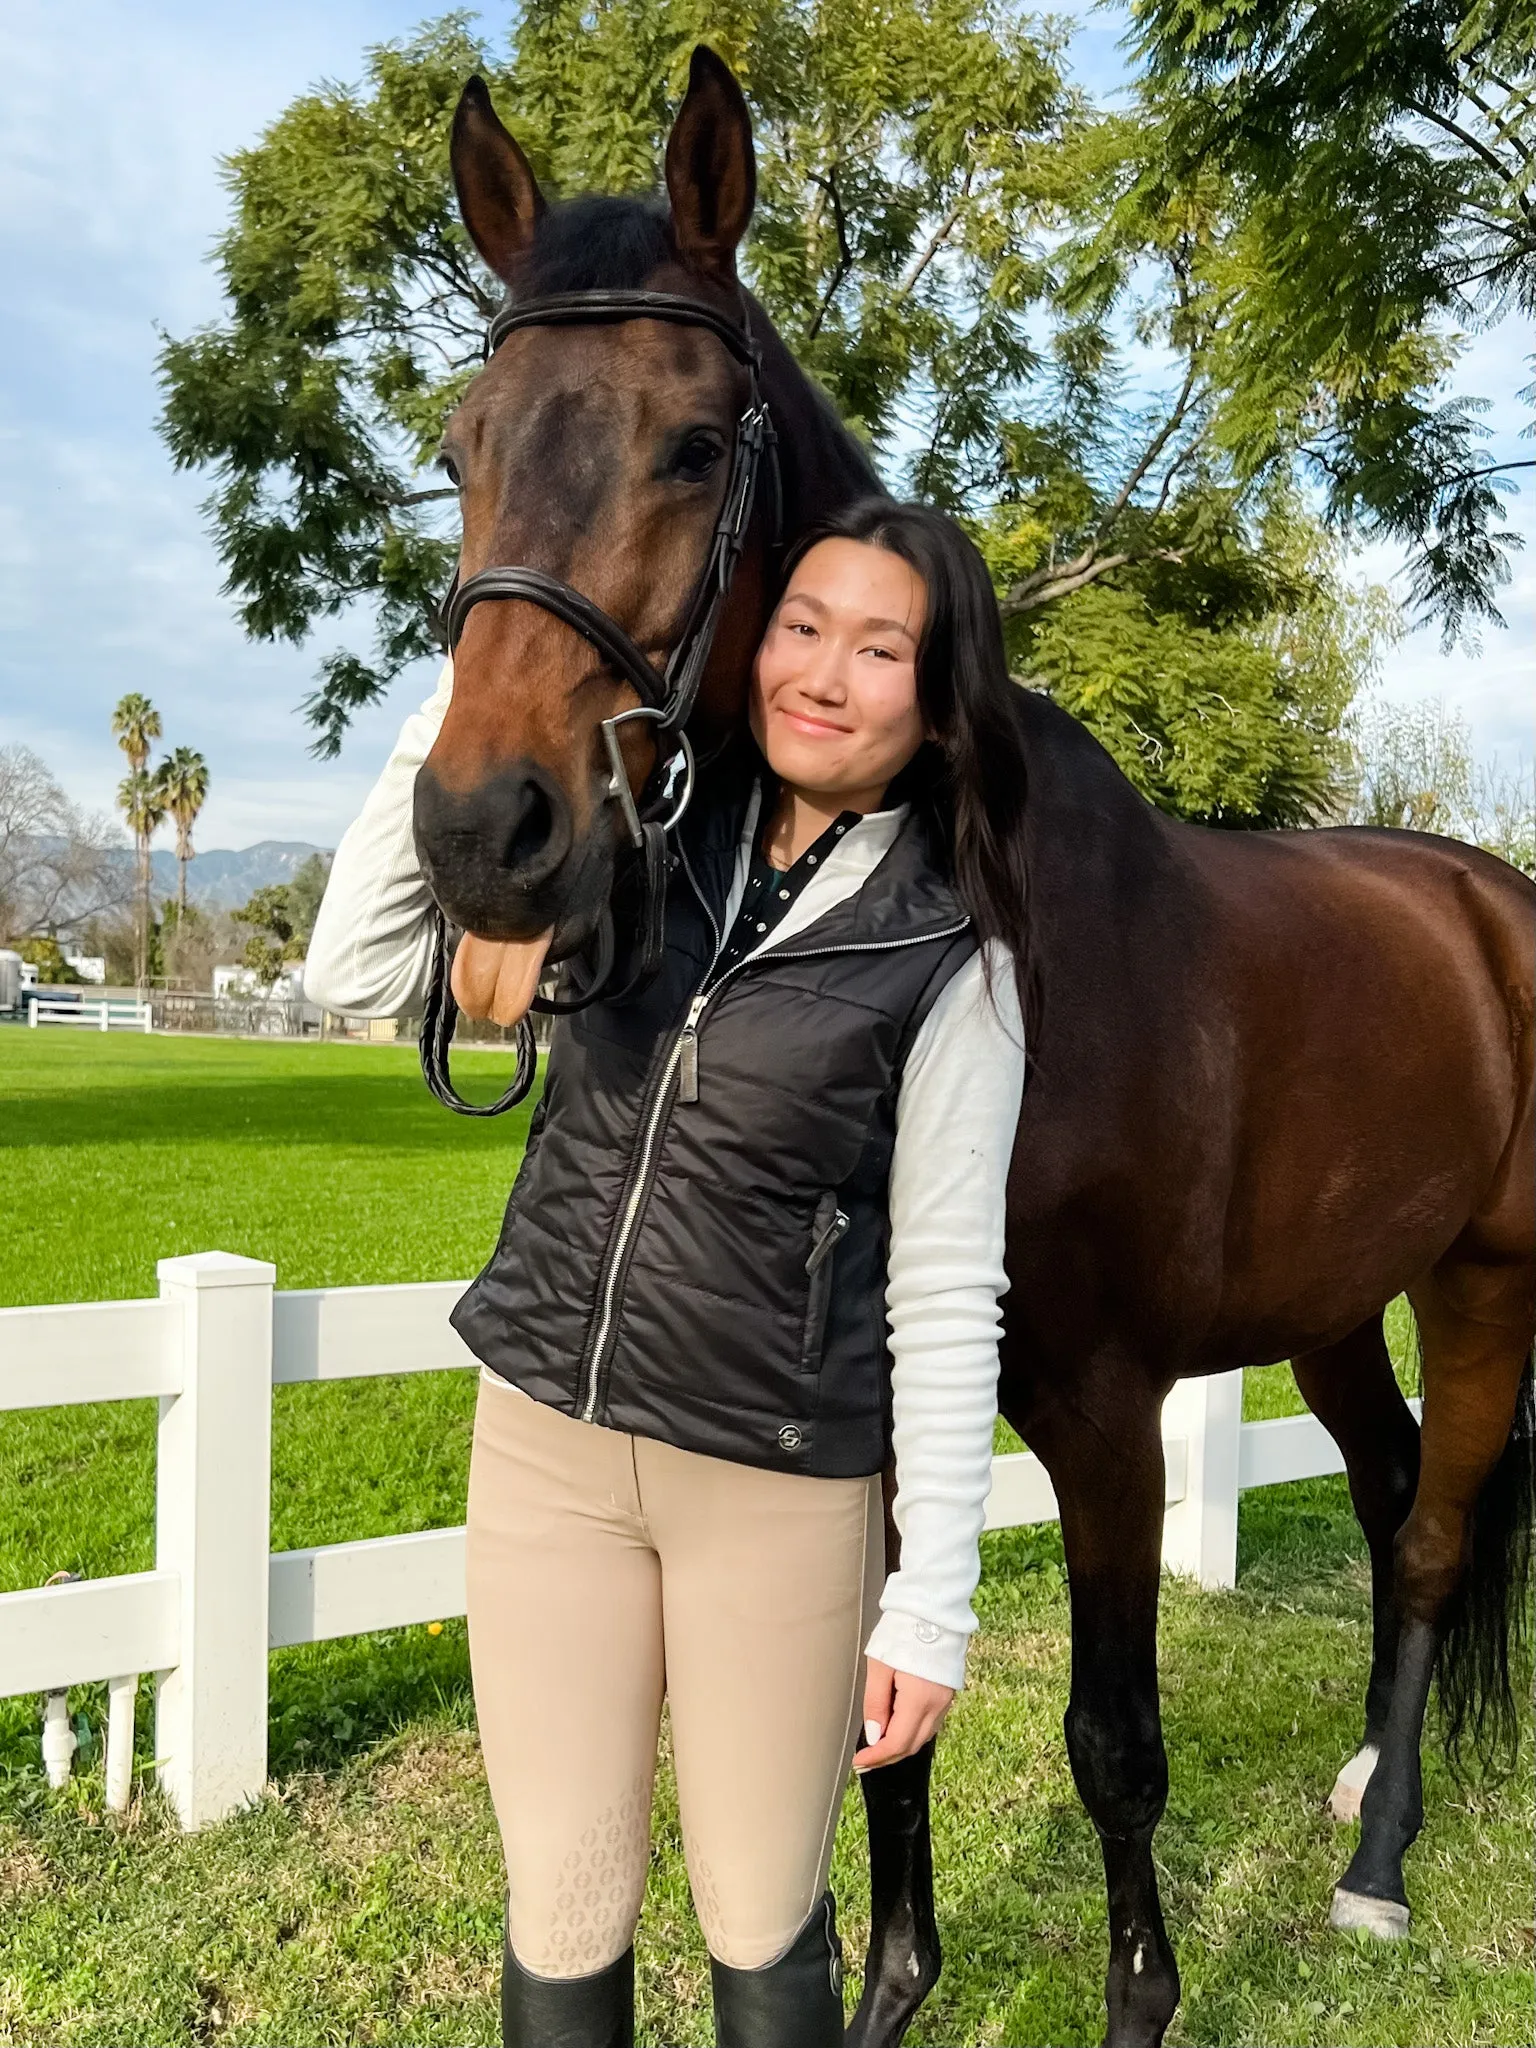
[[242, 981]]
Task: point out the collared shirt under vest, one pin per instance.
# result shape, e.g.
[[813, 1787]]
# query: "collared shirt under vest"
[[695, 1247]]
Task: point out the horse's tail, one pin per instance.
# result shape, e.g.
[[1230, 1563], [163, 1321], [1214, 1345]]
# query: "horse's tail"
[[1485, 1651]]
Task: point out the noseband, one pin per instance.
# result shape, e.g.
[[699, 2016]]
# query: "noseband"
[[667, 697]]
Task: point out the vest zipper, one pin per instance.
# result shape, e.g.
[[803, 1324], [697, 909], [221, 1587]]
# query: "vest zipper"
[[826, 1241], [642, 1159]]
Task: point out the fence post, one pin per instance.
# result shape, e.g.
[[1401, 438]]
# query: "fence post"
[[213, 1529], [1200, 1531]]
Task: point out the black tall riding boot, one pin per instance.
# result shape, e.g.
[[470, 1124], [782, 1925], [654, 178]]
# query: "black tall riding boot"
[[796, 2002], [568, 2012]]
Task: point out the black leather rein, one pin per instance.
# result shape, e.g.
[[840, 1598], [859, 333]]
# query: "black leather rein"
[[666, 697]]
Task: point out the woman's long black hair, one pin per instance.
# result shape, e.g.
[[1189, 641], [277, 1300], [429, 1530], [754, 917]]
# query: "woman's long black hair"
[[972, 782]]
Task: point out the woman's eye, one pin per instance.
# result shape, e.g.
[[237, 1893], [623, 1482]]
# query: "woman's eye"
[[696, 458]]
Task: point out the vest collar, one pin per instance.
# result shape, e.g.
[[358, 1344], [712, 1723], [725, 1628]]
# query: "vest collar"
[[903, 897]]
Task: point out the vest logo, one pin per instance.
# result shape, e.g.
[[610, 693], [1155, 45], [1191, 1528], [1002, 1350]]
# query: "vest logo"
[[790, 1438]]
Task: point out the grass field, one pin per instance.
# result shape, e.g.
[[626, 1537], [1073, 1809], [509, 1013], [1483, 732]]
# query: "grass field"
[[360, 1901]]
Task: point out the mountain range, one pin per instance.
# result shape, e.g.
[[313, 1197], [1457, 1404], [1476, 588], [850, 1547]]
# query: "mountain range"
[[222, 879]]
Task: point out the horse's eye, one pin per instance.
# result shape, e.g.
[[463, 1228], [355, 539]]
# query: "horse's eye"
[[696, 458], [446, 462]]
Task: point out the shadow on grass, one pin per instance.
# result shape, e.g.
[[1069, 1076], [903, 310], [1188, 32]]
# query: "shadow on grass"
[[389, 1109], [332, 1701]]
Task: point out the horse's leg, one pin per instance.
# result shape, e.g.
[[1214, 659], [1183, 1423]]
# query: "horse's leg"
[[1475, 1332], [1351, 1389], [1108, 1476], [902, 1963]]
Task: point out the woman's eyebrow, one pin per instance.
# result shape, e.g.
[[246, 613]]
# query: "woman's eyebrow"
[[815, 604]]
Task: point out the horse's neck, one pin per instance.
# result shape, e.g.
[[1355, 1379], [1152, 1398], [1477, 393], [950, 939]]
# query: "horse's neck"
[[822, 466], [1106, 868]]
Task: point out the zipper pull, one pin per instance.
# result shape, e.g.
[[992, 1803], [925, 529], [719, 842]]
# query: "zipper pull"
[[826, 1241], [688, 1054]]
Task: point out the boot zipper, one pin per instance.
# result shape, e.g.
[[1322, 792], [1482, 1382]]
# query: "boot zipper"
[[642, 1159]]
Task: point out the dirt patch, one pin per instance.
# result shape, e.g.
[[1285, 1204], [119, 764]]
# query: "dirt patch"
[[24, 1874]]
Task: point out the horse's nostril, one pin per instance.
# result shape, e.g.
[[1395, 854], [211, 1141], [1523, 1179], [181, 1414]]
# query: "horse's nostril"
[[531, 831]]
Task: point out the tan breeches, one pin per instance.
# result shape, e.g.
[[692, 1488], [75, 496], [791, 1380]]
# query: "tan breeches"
[[606, 1571]]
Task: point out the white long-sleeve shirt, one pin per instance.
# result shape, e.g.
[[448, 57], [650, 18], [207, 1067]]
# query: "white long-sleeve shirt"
[[956, 1111]]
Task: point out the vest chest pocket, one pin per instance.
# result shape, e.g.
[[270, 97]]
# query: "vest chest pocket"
[[829, 1225]]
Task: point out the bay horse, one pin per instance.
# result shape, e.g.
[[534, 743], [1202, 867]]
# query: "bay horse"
[[1276, 1078]]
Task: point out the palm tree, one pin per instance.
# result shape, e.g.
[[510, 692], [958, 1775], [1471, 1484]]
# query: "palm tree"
[[135, 723], [183, 785], [142, 804]]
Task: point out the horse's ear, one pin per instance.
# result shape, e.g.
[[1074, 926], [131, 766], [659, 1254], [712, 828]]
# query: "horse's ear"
[[711, 171], [499, 197]]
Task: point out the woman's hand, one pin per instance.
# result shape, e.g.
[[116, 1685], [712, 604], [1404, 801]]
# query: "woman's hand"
[[907, 1710]]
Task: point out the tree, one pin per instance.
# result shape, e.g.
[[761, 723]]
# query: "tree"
[[275, 940], [1416, 768], [1506, 808], [950, 238], [1381, 155], [305, 890], [183, 785], [1415, 771], [59, 865], [1234, 720], [135, 723], [31, 805], [143, 809], [47, 956], [282, 917]]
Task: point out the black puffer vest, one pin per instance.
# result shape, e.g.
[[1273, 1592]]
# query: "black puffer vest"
[[695, 1248]]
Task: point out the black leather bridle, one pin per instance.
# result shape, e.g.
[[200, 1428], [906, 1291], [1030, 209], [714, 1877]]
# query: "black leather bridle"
[[666, 697]]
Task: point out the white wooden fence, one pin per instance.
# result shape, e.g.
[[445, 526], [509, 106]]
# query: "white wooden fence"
[[101, 1013], [210, 1350]]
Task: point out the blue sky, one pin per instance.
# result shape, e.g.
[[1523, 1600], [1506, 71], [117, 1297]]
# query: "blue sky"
[[112, 118]]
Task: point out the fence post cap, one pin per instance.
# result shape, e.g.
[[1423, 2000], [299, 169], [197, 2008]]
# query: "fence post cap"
[[215, 1269]]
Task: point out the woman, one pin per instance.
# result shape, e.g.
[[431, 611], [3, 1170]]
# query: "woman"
[[756, 1240]]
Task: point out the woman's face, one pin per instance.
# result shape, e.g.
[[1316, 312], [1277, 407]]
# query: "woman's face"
[[834, 687]]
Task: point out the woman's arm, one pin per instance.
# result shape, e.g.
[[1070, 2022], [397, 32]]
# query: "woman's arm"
[[371, 948], [956, 1116]]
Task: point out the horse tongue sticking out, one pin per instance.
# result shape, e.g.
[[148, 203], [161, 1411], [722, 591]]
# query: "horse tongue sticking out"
[[498, 979]]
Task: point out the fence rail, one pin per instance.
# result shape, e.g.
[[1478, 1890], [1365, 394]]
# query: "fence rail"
[[100, 1013], [211, 1349]]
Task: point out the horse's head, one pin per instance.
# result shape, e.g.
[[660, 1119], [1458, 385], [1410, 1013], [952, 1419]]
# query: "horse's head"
[[599, 455]]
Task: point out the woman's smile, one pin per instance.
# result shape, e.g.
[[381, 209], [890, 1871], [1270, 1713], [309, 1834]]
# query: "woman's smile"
[[807, 722]]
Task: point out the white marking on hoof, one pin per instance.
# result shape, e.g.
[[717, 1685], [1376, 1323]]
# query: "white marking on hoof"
[[1349, 1786], [1384, 1918]]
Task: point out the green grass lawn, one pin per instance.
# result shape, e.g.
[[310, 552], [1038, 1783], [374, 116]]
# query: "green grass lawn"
[[360, 1901]]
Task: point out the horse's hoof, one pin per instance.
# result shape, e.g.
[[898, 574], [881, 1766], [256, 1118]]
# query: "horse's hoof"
[[1349, 1786], [1384, 1918]]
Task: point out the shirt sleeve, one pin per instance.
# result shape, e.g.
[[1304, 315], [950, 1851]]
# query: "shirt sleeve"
[[371, 950], [956, 1115]]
